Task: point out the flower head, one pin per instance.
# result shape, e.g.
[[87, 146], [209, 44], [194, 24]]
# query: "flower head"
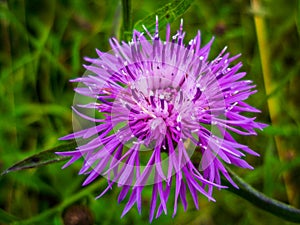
[[166, 117]]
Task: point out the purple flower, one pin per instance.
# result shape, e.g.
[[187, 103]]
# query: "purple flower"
[[166, 117]]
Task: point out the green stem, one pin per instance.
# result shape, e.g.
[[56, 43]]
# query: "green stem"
[[262, 201], [127, 22]]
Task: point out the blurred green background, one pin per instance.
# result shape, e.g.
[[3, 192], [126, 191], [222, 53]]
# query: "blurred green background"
[[42, 45]]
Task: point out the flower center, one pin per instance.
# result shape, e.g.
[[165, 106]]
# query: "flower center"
[[156, 113], [160, 99]]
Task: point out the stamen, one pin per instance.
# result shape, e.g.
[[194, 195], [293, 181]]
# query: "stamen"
[[197, 95], [128, 70], [163, 54], [172, 45], [152, 99], [187, 50], [199, 66], [162, 102], [168, 32], [134, 94], [180, 97], [131, 109], [181, 26], [183, 80], [156, 26], [148, 33]]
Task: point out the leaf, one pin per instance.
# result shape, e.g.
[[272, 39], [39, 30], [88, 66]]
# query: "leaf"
[[262, 201], [42, 158], [6, 217], [166, 14]]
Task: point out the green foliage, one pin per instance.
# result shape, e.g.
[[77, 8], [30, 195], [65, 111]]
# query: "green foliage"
[[42, 158], [166, 15], [42, 46]]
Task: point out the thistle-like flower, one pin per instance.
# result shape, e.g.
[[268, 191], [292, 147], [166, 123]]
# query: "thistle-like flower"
[[166, 117]]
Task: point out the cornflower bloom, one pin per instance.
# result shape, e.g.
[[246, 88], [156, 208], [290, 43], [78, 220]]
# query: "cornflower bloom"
[[166, 118]]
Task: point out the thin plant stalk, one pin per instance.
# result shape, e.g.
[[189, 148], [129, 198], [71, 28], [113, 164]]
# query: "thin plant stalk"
[[127, 21], [270, 85]]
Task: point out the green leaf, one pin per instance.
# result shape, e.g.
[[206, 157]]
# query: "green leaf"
[[6, 217], [262, 201], [42, 158], [166, 14]]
